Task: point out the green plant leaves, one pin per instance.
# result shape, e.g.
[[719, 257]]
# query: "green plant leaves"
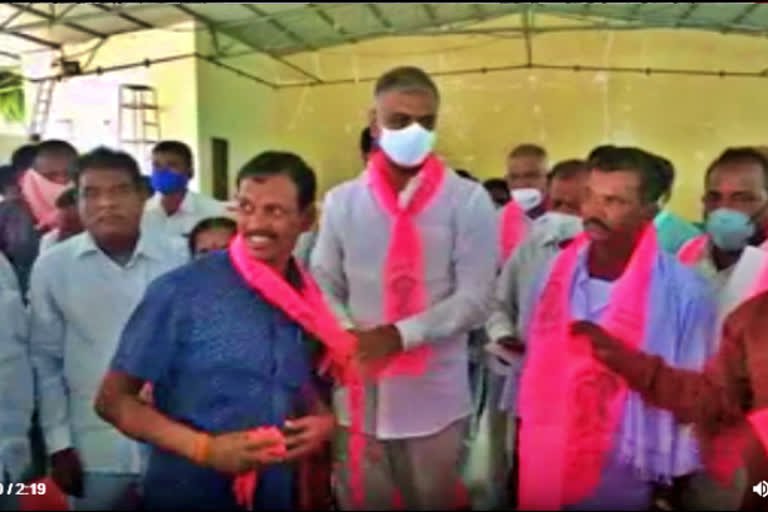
[[12, 107]]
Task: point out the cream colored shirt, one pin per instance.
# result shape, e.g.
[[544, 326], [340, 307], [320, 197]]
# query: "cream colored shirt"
[[194, 208]]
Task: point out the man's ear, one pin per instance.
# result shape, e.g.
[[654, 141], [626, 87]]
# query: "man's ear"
[[309, 217], [651, 210], [373, 123]]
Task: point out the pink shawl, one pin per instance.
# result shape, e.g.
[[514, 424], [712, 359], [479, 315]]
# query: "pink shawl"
[[513, 229], [40, 194], [309, 310], [405, 292], [570, 403], [693, 250]]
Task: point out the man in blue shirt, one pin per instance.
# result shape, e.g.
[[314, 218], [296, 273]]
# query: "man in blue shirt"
[[224, 361]]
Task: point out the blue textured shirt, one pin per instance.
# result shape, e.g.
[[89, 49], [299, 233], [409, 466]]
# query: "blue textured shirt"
[[221, 359]]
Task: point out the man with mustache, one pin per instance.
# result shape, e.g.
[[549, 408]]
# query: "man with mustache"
[[732, 256], [673, 231], [585, 442], [407, 253], [82, 292], [229, 346]]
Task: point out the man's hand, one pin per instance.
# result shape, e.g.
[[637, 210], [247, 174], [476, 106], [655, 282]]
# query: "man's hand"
[[377, 344], [605, 347], [67, 472], [512, 344], [308, 434], [239, 452]]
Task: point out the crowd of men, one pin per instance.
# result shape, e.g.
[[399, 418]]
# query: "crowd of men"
[[163, 349]]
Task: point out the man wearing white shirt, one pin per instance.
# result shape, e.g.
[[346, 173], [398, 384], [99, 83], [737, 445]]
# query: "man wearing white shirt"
[[414, 423], [81, 295], [17, 400], [735, 210], [175, 209]]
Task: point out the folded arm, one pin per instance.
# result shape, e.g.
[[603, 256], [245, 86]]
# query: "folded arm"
[[475, 256]]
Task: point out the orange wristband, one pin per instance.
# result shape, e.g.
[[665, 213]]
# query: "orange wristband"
[[201, 449]]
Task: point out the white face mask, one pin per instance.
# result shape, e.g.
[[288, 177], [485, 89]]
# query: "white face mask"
[[527, 198], [409, 146], [566, 225]]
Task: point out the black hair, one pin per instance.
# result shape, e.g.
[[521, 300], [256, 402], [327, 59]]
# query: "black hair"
[[177, 148], [654, 181], [271, 163], [9, 175], [739, 155], [24, 157], [528, 150], [495, 183], [366, 141], [406, 78], [595, 154], [146, 183], [667, 171], [55, 148], [67, 198], [568, 169], [466, 175], [209, 224], [107, 159]]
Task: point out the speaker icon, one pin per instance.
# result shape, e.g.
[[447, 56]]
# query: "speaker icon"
[[761, 489]]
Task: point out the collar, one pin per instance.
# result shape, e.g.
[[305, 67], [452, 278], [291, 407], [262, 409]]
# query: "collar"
[[707, 263], [187, 205], [146, 247], [582, 277]]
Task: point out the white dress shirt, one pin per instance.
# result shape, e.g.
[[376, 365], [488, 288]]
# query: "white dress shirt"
[[17, 399], [48, 240], [80, 301], [460, 244], [194, 208]]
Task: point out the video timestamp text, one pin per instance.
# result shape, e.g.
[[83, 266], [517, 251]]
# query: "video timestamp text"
[[38, 489]]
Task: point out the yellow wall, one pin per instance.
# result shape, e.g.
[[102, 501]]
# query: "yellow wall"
[[9, 144], [231, 107], [688, 119]]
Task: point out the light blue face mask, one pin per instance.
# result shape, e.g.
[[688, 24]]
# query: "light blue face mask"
[[730, 229]]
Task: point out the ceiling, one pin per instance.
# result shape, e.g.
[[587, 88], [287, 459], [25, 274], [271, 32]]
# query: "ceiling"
[[278, 30], [287, 28]]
